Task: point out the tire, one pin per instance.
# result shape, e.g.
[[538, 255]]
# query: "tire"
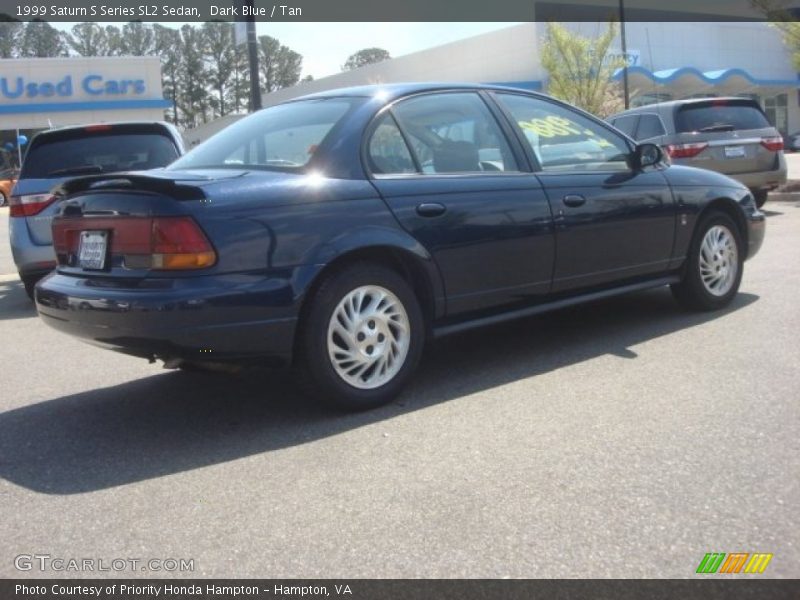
[[716, 254], [760, 197], [360, 339], [3, 199]]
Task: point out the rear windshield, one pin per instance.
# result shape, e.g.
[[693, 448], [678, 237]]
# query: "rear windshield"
[[720, 115], [97, 153], [282, 137]]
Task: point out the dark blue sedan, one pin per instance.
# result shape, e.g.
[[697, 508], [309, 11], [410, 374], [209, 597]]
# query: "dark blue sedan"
[[337, 232]]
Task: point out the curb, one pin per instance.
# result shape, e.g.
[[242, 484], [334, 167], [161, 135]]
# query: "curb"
[[783, 197]]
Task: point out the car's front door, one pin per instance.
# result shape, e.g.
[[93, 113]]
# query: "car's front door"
[[451, 176], [613, 222]]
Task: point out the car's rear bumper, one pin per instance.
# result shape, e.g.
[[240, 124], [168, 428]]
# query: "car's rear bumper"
[[763, 180], [209, 318]]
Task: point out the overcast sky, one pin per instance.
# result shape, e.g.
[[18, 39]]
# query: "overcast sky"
[[326, 46]]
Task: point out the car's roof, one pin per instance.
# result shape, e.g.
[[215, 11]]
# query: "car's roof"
[[391, 91]]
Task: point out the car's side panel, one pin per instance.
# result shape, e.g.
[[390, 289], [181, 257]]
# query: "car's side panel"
[[493, 242], [624, 229], [694, 190]]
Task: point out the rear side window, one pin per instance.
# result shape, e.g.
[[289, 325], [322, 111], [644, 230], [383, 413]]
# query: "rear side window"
[[454, 133], [626, 125], [387, 151], [650, 126], [88, 153], [719, 115]]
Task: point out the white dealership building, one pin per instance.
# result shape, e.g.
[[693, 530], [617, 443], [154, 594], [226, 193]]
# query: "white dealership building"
[[668, 60]]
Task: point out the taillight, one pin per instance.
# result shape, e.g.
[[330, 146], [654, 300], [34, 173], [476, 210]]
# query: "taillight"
[[685, 150], [165, 243], [30, 205], [179, 243], [773, 144]]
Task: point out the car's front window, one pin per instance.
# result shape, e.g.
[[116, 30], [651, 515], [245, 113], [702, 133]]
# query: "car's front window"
[[564, 140], [281, 137]]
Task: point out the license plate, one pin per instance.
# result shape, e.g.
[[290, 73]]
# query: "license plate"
[[92, 249], [734, 151]]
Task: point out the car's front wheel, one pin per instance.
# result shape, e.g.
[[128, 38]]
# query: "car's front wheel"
[[713, 269], [362, 337]]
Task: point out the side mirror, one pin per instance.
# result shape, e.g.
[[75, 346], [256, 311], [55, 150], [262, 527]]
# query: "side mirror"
[[647, 155]]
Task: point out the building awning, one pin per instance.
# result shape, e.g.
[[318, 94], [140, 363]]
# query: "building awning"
[[54, 107], [689, 78], [684, 82]]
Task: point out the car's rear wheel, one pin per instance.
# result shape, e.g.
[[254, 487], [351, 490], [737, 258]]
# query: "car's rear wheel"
[[760, 197], [3, 199], [361, 338], [713, 269]]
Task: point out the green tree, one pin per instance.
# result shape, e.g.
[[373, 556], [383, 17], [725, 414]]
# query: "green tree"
[[88, 39], [238, 95], [280, 66], [580, 69], [367, 56], [10, 38], [779, 16], [221, 56], [191, 78], [167, 46], [137, 39], [41, 40]]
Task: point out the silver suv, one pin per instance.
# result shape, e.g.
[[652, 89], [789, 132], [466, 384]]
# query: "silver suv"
[[728, 135], [59, 154]]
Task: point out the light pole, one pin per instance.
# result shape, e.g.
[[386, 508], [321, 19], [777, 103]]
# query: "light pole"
[[624, 54], [252, 54]]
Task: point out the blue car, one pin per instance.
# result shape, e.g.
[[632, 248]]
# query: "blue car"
[[340, 231]]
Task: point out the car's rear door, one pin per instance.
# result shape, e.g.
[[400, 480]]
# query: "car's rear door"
[[457, 181], [612, 222]]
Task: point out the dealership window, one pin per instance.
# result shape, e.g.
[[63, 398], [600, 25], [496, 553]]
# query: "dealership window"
[[564, 140], [777, 112], [454, 133]]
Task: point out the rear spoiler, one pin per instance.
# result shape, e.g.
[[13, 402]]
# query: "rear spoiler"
[[131, 181]]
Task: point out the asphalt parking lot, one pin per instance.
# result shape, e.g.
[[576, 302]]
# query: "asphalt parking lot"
[[622, 439]]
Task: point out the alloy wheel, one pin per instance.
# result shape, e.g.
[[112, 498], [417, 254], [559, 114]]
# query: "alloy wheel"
[[719, 260], [369, 335]]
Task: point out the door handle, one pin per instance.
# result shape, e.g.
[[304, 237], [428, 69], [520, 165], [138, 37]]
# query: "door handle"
[[431, 209], [573, 200]]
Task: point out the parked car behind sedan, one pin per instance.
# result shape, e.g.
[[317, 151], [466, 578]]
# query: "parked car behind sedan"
[[56, 155], [791, 142], [340, 231], [727, 135]]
